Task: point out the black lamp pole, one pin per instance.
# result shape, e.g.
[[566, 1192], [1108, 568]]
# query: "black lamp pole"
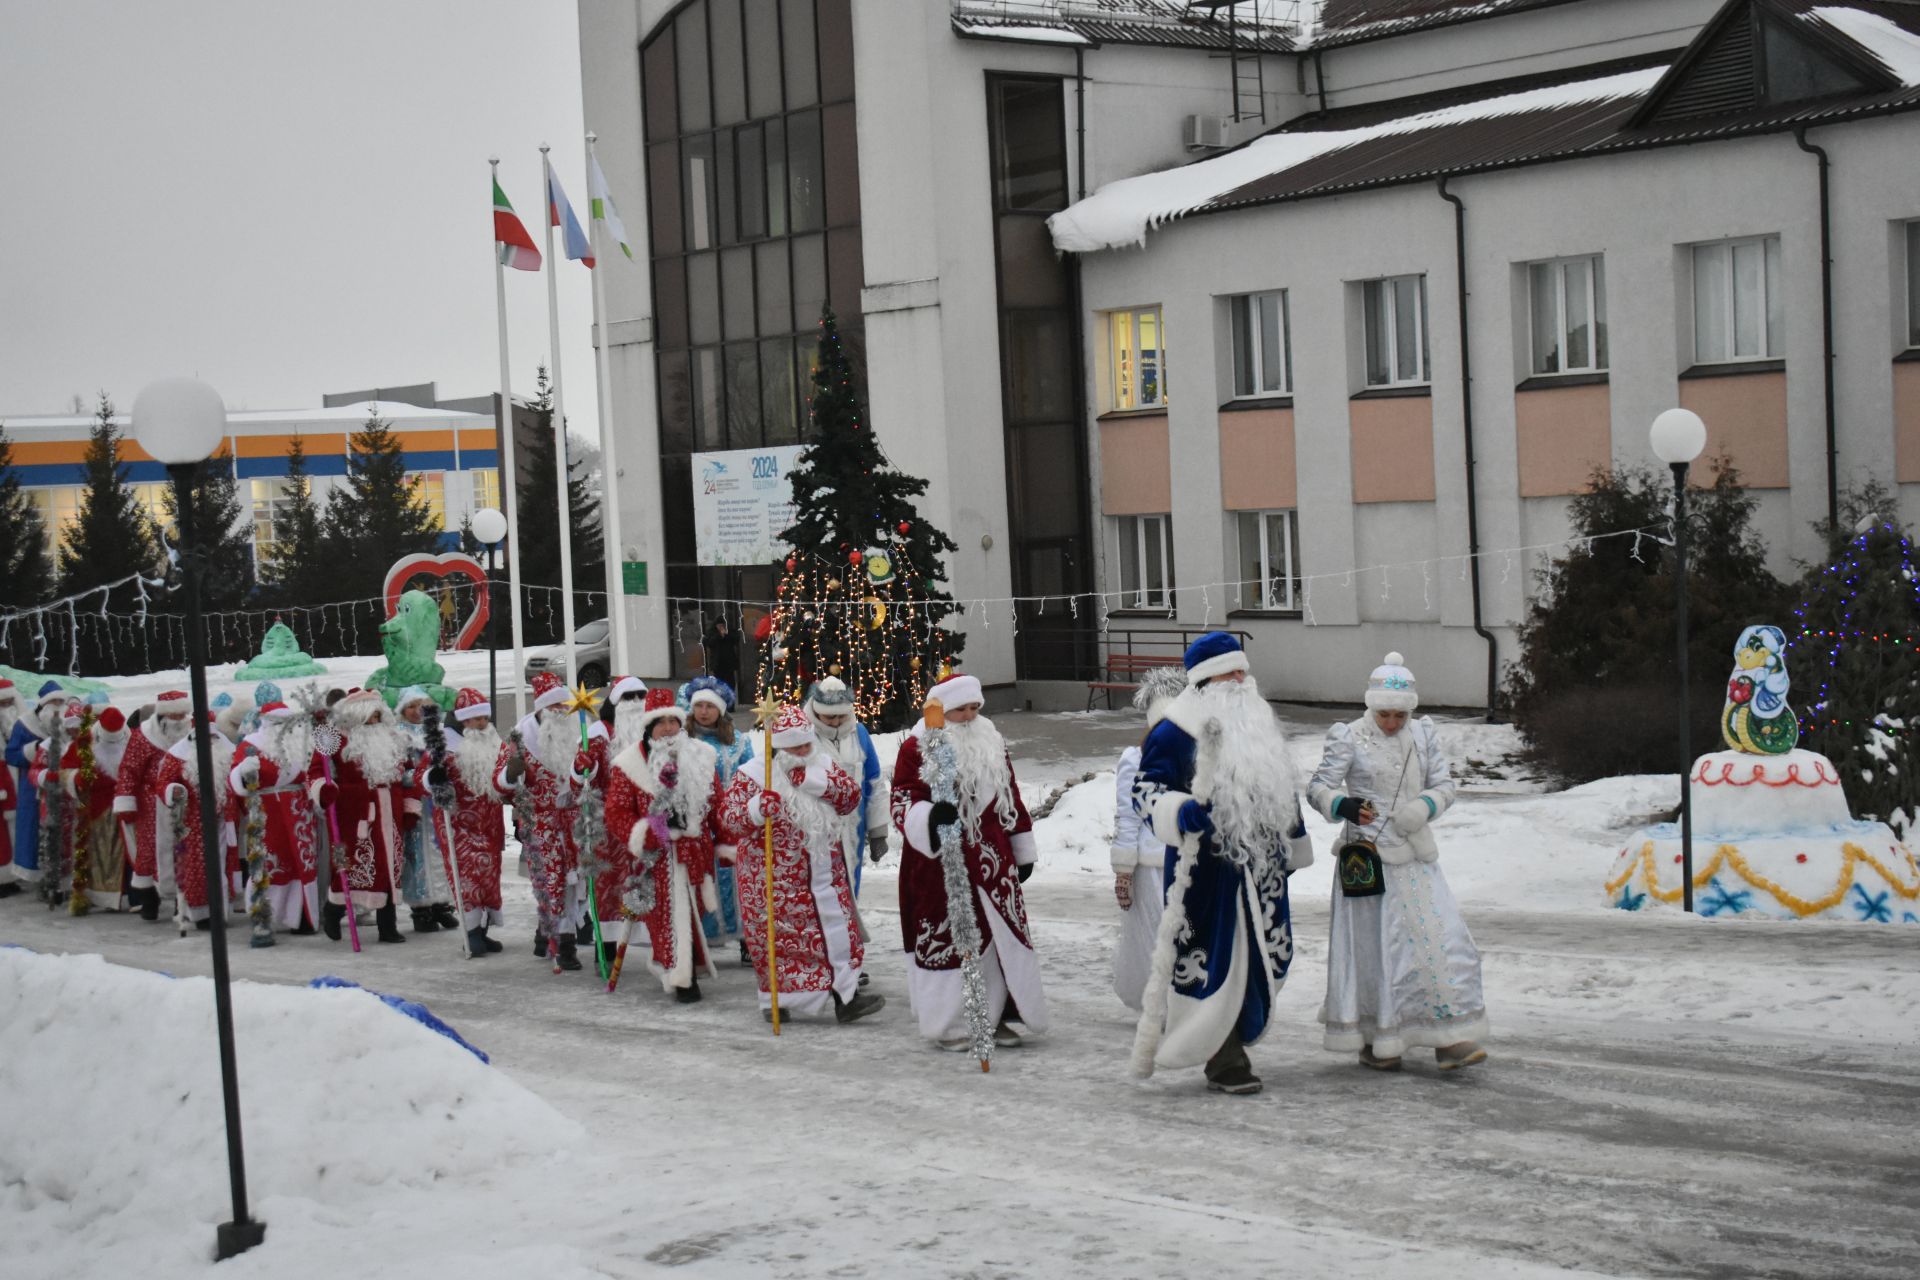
[[235, 1237], [1680, 628], [493, 676]]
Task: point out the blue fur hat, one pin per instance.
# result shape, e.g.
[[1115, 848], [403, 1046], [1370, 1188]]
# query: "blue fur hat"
[[50, 691], [717, 690], [266, 691], [221, 701], [99, 698], [1214, 654]]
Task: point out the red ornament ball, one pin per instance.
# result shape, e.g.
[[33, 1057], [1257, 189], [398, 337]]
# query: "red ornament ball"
[[1799, 857], [856, 557], [792, 564], [904, 526]]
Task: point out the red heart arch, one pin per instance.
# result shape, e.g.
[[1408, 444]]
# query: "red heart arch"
[[443, 566]]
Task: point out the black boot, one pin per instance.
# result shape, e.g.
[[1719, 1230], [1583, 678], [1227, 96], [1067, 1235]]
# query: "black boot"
[[568, 960], [10, 888], [1229, 1071], [540, 944], [306, 929], [332, 916], [492, 946], [689, 994], [857, 1008], [607, 951], [423, 921], [149, 902], [584, 934], [476, 942], [387, 918], [445, 916]]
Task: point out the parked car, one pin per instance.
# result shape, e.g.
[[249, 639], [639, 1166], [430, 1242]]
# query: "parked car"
[[592, 650]]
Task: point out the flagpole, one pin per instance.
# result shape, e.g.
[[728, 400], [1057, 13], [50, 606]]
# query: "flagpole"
[[559, 424], [511, 495], [615, 547]]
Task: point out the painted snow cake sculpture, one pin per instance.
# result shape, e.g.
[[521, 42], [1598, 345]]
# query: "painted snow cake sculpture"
[[1772, 834], [280, 658]]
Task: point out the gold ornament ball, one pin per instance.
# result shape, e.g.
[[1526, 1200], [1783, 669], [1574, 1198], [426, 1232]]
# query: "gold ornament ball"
[[833, 584], [835, 669], [915, 664]]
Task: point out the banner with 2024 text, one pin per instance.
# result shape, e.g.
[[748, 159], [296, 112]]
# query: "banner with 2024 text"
[[742, 500]]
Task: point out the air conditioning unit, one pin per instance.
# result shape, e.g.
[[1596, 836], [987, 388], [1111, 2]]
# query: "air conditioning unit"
[[1204, 132]]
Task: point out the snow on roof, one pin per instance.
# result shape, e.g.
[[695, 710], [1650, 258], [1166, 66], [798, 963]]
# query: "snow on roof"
[[1034, 35], [1121, 213], [247, 421], [1897, 48]]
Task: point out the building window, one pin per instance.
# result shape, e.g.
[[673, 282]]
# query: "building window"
[[1262, 344], [1569, 303], [1269, 560], [1738, 310], [1146, 561], [486, 488], [1139, 359], [59, 507], [268, 495], [432, 485], [152, 495], [1396, 317], [1913, 284]]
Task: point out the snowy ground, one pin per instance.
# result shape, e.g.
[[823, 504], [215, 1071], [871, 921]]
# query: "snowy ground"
[[1667, 1096]]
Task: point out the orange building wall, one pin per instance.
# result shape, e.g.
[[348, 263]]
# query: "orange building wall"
[[1392, 449], [1746, 417], [1135, 476], [1257, 470], [1564, 435]]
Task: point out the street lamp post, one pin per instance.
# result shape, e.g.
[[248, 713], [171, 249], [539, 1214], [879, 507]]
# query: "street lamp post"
[[489, 527], [180, 422], [1678, 436]]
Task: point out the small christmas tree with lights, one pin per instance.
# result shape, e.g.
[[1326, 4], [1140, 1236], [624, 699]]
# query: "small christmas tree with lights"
[[860, 596], [1856, 644]]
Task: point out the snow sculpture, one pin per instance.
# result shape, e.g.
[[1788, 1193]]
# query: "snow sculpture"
[[1772, 833], [409, 639], [280, 658]]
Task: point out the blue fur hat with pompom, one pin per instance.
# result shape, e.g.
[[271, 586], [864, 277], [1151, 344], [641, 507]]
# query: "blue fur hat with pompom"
[[1214, 654]]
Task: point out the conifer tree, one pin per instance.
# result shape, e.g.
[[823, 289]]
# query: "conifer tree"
[[26, 570], [377, 517], [294, 567], [224, 542], [539, 523], [860, 597], [1855, 664], [113, 535]]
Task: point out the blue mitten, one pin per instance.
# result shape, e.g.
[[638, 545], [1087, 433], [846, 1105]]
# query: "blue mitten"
[[1194, 818]]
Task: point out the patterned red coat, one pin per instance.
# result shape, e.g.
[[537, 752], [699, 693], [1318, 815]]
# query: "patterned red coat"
[[292, 825], [1000, 911], [477, 824], [374, 818], [177, 781], [818, 948], [136, 801], [682, 885]]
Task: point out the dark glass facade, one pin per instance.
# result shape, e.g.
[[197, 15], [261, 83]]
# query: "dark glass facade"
[[1048, 499], [753, 190]]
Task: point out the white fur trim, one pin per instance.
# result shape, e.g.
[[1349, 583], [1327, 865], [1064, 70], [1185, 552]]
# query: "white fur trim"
[[1392, 699], [647, 718], [1123, 857], [794, 737], [477, 709], [958, 691], [709, 697], [918, 833], [1164, 818], [637, 838], [624, 686], [125, 804], [815, 783], [1025, 851], [1159, 990], [1218, 665], [1299, 852]]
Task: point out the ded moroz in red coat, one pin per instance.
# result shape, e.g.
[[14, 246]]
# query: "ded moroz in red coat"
[[675, 778], [292, 818], [96, 831], [177, 782], [477, 823], [818, 948], [374, 809], [136, 801], [1008, 964]]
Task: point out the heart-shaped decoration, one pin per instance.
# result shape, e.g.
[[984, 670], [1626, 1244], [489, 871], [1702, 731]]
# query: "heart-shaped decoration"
[[455, 565]]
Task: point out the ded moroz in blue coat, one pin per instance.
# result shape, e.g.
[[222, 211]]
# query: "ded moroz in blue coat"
[[1231, 958]]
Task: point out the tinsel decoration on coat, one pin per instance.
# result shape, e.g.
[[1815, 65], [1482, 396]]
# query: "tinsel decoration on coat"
[[590, 833], [942, 778], [311, 701], [77, 903], [259, 872], [440, 785], [547, 910], [1173, 923], [177, 820], [53, 824]]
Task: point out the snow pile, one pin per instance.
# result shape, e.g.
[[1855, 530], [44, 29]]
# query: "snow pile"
[[113, 1145], [1896, 48], [1035, 35], [1121, 213]]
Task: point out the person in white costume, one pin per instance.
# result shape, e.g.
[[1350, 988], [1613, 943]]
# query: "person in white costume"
[[1402, 970], [1139, 857]]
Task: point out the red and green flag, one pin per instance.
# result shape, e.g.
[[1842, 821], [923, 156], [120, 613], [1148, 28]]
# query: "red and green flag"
[[510, 235]]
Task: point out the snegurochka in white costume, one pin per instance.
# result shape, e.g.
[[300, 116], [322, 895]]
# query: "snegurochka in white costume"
[[1217, 786], [1139, 858], [1402, 970]]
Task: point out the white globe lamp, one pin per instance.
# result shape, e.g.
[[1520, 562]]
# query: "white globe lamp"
[[179, 421], [1678, 436], [489, 526]]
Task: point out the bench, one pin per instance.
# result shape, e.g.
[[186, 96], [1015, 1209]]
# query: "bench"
[[1121, 669]]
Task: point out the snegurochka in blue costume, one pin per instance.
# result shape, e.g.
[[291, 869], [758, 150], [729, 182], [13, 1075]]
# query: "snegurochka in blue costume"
[[1217, 787]]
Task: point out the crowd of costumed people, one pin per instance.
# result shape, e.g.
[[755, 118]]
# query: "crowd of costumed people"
[[653, 828]]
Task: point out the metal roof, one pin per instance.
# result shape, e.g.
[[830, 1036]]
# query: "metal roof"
[[1344, 22], [1170, 23]]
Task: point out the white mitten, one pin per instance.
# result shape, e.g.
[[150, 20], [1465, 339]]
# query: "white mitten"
[[1411, 816]]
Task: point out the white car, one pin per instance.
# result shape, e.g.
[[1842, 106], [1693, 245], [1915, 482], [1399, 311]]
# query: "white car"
[[592, 650]]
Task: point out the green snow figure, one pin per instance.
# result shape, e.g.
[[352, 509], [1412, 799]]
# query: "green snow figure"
[[409, 639], [280, 658]]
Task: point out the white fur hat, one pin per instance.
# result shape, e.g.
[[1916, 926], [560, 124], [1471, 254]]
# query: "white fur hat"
[[1391, 686], [958, 691], [357, 709], [1158, 688]]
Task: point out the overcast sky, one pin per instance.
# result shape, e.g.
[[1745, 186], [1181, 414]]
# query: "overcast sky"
[[283, 199]]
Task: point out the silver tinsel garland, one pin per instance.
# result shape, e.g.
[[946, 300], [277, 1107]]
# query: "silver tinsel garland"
[[259, 908], [941, 772], [53, 846]]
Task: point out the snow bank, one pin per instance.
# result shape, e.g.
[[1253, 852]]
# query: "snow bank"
[[113, 1147], [1121, 213]]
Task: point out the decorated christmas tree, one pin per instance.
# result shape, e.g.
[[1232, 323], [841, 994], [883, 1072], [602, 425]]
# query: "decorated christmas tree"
[[861, 595], [1857, 664]]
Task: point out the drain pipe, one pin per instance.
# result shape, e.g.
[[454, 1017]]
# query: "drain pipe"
[[1080, 121], [1826, 316], [1466, 423], [1320, 80]]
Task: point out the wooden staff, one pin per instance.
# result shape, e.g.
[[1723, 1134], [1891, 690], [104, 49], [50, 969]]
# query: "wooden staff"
[[768, 710]]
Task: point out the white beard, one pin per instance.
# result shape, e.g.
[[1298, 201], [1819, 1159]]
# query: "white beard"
[[290, 745], [815, 819], [108, 749], [692, 763], [627, 726], [477, 756], [9, 716], [557, 747], [982, 774], [189, 758], [1255, 792], [379, 750], [164, 731]]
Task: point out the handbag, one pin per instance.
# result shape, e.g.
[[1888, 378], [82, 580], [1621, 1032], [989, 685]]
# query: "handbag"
[[1362, 875]]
